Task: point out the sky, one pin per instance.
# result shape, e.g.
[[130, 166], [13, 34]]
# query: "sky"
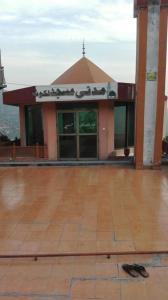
[[40, 39]]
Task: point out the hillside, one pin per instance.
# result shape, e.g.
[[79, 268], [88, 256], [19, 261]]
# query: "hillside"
[[9, 119]]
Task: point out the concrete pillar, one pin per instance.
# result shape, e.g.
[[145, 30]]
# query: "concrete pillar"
[[106, 129], [150, 82], [50, 130], [22, 125]]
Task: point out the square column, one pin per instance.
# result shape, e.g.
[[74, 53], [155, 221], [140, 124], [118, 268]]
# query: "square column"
[[50, 129], [106, 129], [150, 82]]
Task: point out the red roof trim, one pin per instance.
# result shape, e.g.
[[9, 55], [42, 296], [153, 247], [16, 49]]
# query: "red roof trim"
[[25, 96]]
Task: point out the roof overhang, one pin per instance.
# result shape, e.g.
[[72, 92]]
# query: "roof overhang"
[[25, 96], [28, 96], [140, 4]]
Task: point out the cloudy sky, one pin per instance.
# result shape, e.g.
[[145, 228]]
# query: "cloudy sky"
[[40, 39]]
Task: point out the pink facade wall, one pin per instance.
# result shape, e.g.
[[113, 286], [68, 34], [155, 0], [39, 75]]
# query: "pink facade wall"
[[22, 125], [50, 129], [106, 129]]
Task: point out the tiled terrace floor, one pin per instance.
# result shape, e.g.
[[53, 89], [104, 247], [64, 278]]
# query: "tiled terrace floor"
[[82, 279], [82, 209]]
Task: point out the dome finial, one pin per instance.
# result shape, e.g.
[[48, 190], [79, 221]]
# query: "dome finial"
[[83, 48]]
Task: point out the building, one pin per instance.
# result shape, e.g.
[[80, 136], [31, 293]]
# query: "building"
[[83, 114]]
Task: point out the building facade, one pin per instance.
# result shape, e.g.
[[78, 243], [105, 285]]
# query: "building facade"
[[84, 114]]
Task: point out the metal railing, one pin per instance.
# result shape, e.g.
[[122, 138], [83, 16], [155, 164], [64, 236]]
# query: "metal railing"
[[108, 254], [14, 152]]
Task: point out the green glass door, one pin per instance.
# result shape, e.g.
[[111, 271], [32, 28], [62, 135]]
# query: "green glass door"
[[87, 134], [67, 135], [77, 134], [124, 119]]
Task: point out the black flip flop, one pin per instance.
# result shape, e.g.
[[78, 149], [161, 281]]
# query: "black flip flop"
[[141, 270], [130, 270]]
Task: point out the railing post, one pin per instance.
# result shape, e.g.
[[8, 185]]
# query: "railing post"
[[37, 150], [13, 151]]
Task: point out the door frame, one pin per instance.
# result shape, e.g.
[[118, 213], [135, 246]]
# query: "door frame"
[[77, 134]]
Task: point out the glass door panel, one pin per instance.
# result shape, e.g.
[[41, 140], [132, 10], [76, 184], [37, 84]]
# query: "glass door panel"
[[67, 135], [67, 146], [66, 123], [87, 134], [88, 146], [87, 122], [119, 126]]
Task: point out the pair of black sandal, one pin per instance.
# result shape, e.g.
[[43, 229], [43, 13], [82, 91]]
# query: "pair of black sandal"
[[135, 270]]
